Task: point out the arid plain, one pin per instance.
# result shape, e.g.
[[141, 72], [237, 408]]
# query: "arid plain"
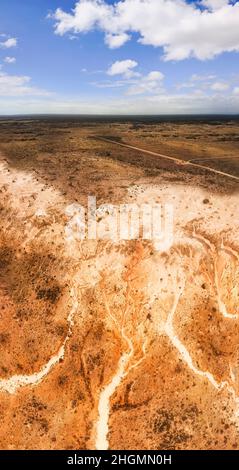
[[108, 344]]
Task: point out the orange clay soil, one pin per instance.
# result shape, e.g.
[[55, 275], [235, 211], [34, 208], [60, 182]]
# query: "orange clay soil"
[[117, 345]]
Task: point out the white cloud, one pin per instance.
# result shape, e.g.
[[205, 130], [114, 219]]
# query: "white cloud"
[[201, 78], [10, 60], [155, 76], [151, 83], [16, 85], [139, 84], [214, 4], [220, 86], [236, 90], [110, 84], [204, 82], [164, 103], [86, 14], [123, 67], [134, 82], [8, 43], [182, 29], [116, 40], [182, 85]]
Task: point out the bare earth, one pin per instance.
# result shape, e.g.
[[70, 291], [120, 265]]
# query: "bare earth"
[[118, 345]]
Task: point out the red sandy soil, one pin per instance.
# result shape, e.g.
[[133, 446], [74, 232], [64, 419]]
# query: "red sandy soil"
[[117, 345]]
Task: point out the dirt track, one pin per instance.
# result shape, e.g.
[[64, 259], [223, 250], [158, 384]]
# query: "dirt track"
[[175, 160]]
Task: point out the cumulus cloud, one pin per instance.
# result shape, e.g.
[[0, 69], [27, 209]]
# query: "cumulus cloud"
[[137, 83], [10, 60], [16, 85], [236, 90], [8, 43], [123, 67], [116, 40], [202, 30], [151, 83]]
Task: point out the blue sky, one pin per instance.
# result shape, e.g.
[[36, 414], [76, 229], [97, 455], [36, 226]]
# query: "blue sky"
[[92, 56]]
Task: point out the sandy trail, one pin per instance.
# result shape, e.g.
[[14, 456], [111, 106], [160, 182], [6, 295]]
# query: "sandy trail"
[[178, 161]]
